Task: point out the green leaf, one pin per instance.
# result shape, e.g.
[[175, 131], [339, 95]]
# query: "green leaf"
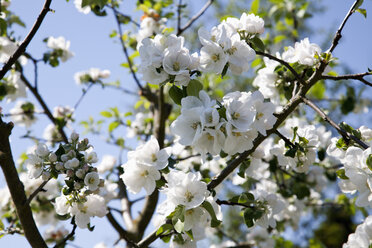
[[176, 94], [301, 190], [362, 11], [279, 38], [178, 214], [243, 167], [341, 174], [106, 114], [255, 6], [246, 197], [113, 125], [194, 87], [1, 225], [258, 44], [318, 90], [163, 229], [359, 3], [369, 161], [248, 217], [208, 206], [291, 152]]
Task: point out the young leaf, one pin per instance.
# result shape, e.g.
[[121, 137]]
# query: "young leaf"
[[193, 88], [176, 94], [208, 206]]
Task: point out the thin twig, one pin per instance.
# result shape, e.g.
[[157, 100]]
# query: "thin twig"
[[44, 106], [40, 188], [85, 91], [195, 17], [230, 203], [338, 35], [325, 117], [359, 76], [179, 11], [125, 16], [286, 140], [125, 50], [22, 48], [187, 157], [299, 79], [62, 243]]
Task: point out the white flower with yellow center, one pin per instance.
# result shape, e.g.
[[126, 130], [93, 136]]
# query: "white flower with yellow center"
[[92, 180]]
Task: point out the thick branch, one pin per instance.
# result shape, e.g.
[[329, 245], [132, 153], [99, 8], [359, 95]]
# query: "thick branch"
[[325, 117], [359, 77], [299, 79], [195, 17], [123, 233], [338, 35], [16, 188], [22, 48], [35, 92]]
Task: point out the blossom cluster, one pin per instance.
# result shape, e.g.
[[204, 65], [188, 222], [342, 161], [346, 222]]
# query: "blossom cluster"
[[227, 43], [164, 58], [7, 49], [151, 24], [362, 236], [230, 127], [93, 75], [143, 165], [267, 79], [74, 160]]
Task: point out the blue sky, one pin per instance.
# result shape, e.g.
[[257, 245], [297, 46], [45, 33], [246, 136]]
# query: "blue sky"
[[89, 36]]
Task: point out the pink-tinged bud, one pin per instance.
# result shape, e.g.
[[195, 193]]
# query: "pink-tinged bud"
[[70, 173]]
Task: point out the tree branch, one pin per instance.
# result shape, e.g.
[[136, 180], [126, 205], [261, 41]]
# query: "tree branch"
[[230, 203], [299, 79], [40, 188], [123, 233], [195, 17], [359, 77], [44, 106], [125, 50], [325, 117], [22, 48], [287, 110], [338, 35], [16, 188], [62, 243], [286, 140], [179, 10]]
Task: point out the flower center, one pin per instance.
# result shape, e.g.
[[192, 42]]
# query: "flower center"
[[215, 57], [235, 116], [259, 115], [176, 66], [189, 196]]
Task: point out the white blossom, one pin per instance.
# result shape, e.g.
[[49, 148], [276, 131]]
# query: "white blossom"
[[60, 43]]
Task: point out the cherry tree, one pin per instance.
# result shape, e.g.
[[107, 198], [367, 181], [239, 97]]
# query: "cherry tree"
[[233, 137]]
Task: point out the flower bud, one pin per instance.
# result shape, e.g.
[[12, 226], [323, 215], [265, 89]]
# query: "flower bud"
[[52, 157], [45, 176], [70, 173], [80, 173]]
